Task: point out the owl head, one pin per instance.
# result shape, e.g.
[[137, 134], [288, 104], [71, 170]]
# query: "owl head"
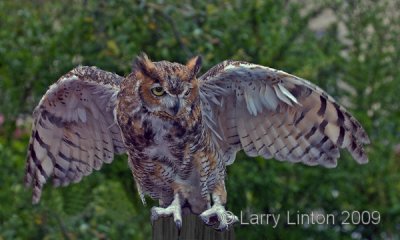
[[164, 88]]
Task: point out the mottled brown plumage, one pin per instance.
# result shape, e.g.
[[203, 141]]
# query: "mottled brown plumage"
[[180, 131]]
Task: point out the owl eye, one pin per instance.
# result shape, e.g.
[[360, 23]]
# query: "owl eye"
[[158, 91]]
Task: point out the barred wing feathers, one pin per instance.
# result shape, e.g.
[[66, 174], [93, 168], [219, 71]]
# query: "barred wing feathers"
[[74, 130], [273, 114]]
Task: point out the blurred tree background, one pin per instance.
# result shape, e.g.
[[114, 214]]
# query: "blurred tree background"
[[349, 48]]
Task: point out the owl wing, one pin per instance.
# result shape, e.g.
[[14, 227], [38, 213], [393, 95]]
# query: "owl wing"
[[74, 129], [273, 114]]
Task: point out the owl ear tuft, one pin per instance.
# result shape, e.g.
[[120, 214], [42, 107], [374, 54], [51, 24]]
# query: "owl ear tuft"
[[194, 65], [144, 65]]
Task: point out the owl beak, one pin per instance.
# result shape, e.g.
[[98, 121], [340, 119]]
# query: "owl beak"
[[174, 110]]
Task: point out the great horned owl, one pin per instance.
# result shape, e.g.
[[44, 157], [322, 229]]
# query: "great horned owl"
[[180, 132]]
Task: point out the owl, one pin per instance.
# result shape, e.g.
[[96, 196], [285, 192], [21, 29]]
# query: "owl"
[[181, 131]]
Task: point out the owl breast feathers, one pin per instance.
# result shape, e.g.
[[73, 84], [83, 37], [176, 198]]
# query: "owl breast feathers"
[[180, 131]]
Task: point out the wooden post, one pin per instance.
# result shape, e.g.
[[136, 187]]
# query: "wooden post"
[[192, 229]]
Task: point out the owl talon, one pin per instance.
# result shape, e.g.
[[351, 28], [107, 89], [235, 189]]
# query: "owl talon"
[[218, 214], [178, 224], [172, 210]]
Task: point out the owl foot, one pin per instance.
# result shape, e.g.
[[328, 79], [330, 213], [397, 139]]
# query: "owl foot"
[[174, 209], [218, 214]]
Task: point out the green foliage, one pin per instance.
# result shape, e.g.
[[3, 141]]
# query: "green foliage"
[[41, 40]]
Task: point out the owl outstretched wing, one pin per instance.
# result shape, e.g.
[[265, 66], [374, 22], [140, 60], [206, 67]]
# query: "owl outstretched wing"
[[273, 114], [74, 130]]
